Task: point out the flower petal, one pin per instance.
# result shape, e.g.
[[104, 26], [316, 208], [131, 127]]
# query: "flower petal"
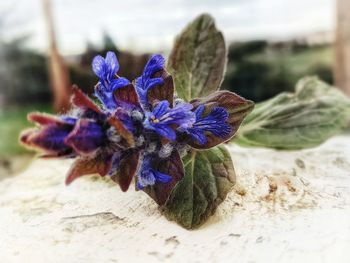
[[236, 107], [85, 166], [105, 96], [155, 83], [161, 177], [166, 132], [160, 109], [215, 122], [198, 135], [118, 83], [165, 120], [181, 115], [99, 66], [112, 63], [86, 137], [171, 167], [154, 64]]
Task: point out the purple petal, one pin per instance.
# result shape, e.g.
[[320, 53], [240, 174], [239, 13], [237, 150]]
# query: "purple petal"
[[148, 176], [118, 83], [166, 132], [160, 177], [112, 63], [199, 111], [105, 97], [155, 63], [181, 115], [219, 127], [148, 79], [152, 82], [160, 109], [99, 66], [145, 179], [215, 122], [198, 135], [168, 173]]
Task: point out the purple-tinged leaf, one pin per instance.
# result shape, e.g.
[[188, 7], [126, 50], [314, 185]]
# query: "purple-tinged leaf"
[[237, 108], [100, 164], [45, 119], [162, 92], [127, 170], [127, 94], [49, 138], [83, 102], [173, 167]]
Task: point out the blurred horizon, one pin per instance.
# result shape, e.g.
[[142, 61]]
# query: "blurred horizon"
[[135, 27]]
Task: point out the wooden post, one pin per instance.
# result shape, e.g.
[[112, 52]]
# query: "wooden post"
[[342, 46], [59, 76]]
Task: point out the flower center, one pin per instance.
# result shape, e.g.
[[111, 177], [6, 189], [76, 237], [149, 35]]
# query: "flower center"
[[154, 120]]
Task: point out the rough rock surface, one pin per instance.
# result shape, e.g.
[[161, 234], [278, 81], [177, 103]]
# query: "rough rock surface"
[[286, 207]]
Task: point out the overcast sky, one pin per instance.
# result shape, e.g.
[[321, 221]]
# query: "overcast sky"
[[143, 25]]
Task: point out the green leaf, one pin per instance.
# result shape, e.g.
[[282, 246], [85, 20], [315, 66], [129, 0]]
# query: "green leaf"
[[198, 59], [306, 118], [209, 176]]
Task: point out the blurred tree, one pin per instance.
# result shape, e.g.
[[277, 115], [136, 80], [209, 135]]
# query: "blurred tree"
[[342, 46], [59, 76], [23, 74], [22, 71], [259, 70], [239, 50]]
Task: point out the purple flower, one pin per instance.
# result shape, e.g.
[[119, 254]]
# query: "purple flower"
[[147, 176], [104, 92], [106, 69], [162, 119], [86, 137], [214, 122], [137, 131], [147, 80], [50, 138]]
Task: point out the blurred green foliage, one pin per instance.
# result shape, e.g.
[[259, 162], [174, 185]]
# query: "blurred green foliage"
[[13, 121], [258, 70], [23, 74]]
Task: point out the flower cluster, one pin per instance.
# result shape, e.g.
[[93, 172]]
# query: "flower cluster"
[[136, 129]]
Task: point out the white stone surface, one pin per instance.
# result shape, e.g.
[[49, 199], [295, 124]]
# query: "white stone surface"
[[286, 207]]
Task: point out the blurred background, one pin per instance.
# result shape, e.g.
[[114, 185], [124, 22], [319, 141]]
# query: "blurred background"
[[46, 45]]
